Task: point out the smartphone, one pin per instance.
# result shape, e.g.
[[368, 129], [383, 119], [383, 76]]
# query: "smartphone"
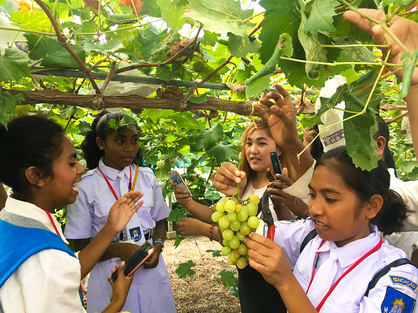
[[175, 176], [136, 260], [275, 162]]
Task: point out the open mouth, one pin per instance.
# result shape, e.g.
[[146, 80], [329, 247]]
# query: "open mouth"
[[319, 224]]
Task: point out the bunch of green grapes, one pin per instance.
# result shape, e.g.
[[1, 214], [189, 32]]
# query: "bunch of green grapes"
[[236, 221]]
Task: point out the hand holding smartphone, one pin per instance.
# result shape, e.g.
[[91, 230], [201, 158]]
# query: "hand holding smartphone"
[[175, 177], [136, 260], [275, 162]]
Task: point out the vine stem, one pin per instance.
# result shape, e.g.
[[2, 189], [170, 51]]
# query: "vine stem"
[[340, 63], [363, 111], [354, 45], [63, 41]]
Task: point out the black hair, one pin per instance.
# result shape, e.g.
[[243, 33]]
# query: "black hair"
[[28, 141], [384, 132], [100, 128], [366, 184]]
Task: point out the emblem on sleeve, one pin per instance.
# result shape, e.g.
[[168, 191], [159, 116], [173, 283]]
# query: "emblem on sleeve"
[[399, 280], [397, 302]]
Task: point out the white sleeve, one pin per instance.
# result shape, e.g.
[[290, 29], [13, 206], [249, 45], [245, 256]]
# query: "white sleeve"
[[409, 193], [47, 282], [300, 189]]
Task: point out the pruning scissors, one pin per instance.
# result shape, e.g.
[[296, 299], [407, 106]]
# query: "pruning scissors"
[[267, 217]]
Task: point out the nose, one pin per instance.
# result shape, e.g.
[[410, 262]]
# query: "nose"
[[315, 208], [80, 169], [129, 146], [254, 149]]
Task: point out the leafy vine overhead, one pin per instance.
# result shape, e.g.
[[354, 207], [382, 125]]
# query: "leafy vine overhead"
[[300, 43]]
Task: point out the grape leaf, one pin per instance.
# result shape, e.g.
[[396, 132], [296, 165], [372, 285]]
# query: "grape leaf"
[[8, 104], [287, 49], [257, 87], [33, 20], [240, 46], [215, 253], [321, 17], [110, 46], [358, 53], [175, 215], [313, 50], [222, 152], [173, 11], [9, 6], [198, 99], [147, 42], [206, 138], [221, 16], [185, 269], [178, 240], [406, 3], [408, 66], [14, 65], [228, 278], [281, 16], [151, 8], [62, 58]]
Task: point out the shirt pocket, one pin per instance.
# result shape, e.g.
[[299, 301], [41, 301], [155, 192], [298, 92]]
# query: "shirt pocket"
[[99, 215]]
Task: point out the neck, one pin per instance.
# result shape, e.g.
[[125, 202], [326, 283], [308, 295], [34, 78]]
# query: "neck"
[[37, 199], [260, 180], [111, 164]]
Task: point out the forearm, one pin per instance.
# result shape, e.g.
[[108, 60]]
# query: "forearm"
[[115, 306], [200, 211], [92, 253], [294, 297], [412, 103], [305, 161]]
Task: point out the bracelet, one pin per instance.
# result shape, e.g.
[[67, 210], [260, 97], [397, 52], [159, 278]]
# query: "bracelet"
[[160, 241], [211, 232]]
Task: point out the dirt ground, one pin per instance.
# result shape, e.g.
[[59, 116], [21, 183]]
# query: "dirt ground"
[[200, 292]]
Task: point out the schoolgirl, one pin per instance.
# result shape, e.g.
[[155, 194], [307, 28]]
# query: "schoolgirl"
[[39, 272], [347, 267], [109, 153], [254, 293]]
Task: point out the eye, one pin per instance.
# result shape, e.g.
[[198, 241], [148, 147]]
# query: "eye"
[[329, 200], [311, 195], [73, 164], [119, 141], [135, 140]]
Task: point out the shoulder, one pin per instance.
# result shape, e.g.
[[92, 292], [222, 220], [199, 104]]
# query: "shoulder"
[[89, 176]]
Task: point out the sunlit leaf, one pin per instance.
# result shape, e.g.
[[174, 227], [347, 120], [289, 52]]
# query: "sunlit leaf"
[[14, 65], [321, 17], [8, 104]]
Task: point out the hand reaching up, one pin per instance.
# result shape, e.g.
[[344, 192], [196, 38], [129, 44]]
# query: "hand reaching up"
[[123, 209]]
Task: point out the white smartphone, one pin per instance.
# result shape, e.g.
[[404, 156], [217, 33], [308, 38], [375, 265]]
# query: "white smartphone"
[[175, 176]]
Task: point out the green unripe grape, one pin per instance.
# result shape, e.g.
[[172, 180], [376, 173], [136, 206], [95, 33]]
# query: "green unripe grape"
[[245, 229], [241, 263], [234, 242], [232, 260], [252, 209], [220, 206], [232, 216], [229, 206], [240, 236], [226, 251], [254, 199], [234, 199], [253, 221], [243, 214], [224, 222], [225, 243], [235, 225], [242, 249], [216, 216], [227, 235]]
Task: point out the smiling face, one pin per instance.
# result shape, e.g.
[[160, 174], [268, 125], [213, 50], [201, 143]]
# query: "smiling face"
[[257, 150], [120, 147], [59, 188], [336, 210]]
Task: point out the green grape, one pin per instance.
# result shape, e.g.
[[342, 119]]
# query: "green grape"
[[242, 249], [216, 216], [226, 251], [243, 214], [232, 216], [234, 199], [241, 263], [220, 206], [224, 222], [236, 253], [245, 229], [232, 260], [254, 199], [235, 225], [253, 221], [229, 206], [238, 207], [240, 236], [252, 209], [234, 242], [228, 235], [225, 243]]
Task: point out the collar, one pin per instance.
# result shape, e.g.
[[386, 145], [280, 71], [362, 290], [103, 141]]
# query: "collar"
[[30, 210], [353, 251], [391, 172], [111, 172]]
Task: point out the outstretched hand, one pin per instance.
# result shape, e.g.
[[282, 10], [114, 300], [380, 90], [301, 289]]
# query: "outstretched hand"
[[405, 30], [282, 119], [123, 209], [227, 178], [120, 289]]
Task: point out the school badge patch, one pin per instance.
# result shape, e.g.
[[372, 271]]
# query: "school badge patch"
[[397, 302], [135, 233], [399, 280]]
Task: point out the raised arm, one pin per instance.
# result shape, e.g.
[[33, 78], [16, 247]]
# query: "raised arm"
[[407, 33]]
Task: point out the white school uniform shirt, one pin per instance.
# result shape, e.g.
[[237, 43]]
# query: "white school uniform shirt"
[[398, 286], [47, 282], [151, 288]]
